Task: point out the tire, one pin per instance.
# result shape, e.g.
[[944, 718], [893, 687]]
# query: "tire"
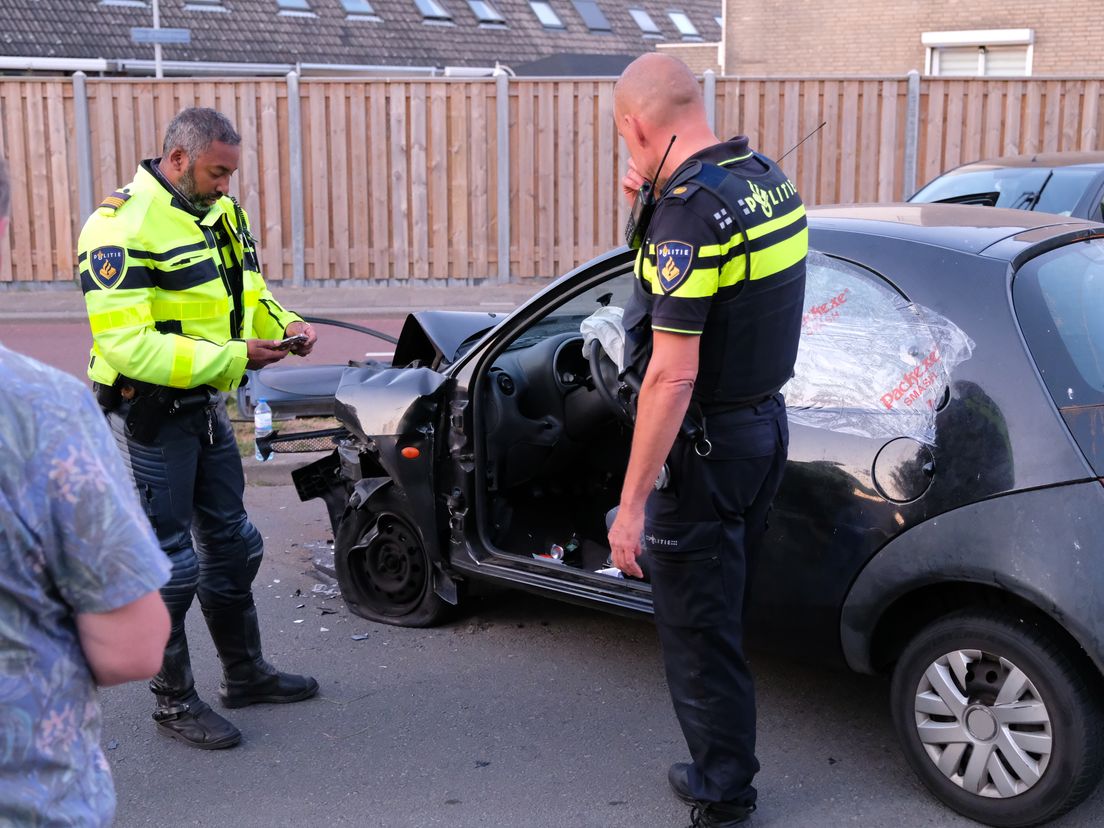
[[383, 569], [1011, 718]]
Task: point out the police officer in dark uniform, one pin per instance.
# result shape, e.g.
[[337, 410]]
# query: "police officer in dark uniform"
[[713, 330]]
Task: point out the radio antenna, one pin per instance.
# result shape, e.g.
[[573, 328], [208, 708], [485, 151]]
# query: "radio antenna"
[[803, 140], [664, 160]]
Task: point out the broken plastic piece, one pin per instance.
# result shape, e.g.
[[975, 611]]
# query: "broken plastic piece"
[[612, 571]]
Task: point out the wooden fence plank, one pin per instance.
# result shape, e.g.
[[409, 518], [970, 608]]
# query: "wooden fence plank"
[[419, 182], [868, 142], [338, 196], [1013, 118], [61, 207], [567, 178], [21, 250], [546, 179], [808, 156], [1052, 118], [479, 176], [994, 119], [608, 178], [399, 181], [380, 182], [931, 143], [439, 178], [827, 191], [459, 212], [956, 100], [1090, 115], [523, 230], [269, 222], [849, 126], [888, 187], [41, 237], [317, 170]]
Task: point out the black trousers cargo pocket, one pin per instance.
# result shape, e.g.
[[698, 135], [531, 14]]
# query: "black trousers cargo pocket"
[[687, 574]]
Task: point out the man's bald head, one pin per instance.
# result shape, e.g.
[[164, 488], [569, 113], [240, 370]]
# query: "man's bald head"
[[659, 90]]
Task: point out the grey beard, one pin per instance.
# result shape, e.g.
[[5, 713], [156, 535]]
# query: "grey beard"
[[187, 189]]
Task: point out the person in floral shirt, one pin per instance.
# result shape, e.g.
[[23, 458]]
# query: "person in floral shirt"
[[80, 571]]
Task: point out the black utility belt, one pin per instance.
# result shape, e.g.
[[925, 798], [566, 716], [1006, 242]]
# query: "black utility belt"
[[151, 405], [714, 408]]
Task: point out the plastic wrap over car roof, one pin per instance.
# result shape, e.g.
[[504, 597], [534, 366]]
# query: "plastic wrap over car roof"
[[960, 227]]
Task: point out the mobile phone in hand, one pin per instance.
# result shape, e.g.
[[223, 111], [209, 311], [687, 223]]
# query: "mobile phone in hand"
[[291, 341]]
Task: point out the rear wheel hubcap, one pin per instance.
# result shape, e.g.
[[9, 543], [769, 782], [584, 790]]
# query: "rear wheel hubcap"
[[983, 723]]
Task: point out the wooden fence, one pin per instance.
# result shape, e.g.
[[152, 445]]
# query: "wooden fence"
[[414, 180]]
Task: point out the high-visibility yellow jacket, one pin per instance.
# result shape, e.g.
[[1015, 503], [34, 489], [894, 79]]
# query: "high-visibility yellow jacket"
[[172, 295]]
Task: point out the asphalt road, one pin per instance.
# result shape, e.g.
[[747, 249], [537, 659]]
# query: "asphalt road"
[[522, 712]]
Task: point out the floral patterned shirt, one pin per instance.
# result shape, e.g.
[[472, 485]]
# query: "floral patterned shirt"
[[73, 539]]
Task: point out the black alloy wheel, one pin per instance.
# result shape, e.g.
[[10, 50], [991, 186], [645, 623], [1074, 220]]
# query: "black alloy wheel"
[[383, 570], [1000, 717]]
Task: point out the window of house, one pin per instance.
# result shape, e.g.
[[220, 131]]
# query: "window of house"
[[359, 10], [687, 29], [645, 22], [432, 10], [486, 14], [979, 53], [592, 15], [546, 15], [204, 5], [142, 4], [720, 22], [294, 6]]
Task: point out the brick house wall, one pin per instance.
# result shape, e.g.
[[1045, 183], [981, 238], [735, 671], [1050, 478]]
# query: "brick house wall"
[[698, 56], [882, 37]]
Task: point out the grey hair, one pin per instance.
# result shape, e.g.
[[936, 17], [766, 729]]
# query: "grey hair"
[[196, 128], [5, 189]]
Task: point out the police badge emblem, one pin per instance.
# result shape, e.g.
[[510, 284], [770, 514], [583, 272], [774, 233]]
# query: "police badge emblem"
[[673, 260], [107, 265]]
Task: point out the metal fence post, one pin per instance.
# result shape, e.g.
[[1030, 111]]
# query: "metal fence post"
[[912, 133], [85, 201], [502, 100], [709, 93], [295, 167]]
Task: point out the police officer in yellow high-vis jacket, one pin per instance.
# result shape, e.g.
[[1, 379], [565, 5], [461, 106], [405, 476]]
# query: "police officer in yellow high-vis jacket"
[[178, 310]]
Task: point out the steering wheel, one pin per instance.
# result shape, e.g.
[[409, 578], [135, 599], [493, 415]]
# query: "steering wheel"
[[603, 371]]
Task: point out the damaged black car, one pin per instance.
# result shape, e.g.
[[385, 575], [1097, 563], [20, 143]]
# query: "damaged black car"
[[942, 515]]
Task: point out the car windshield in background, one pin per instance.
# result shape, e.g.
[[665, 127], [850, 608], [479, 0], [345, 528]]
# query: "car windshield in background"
[[1059, 297], [1021, 188]]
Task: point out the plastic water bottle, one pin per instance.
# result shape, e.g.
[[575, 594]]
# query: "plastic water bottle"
[[262, 427]]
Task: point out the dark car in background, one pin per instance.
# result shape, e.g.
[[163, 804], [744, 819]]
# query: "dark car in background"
[[1064, 183], [941, 519]]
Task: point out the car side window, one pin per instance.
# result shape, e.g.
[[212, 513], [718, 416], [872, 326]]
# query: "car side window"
[[870, 363]]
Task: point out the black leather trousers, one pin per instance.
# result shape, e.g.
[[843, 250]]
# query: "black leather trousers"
[[191, 482]]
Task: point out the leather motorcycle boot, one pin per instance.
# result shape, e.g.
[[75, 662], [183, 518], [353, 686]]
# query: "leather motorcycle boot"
[[247, 677], [180, 713]]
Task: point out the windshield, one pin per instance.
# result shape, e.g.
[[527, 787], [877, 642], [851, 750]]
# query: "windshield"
[[1022, 188]]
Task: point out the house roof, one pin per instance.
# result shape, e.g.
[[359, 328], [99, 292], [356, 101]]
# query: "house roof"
[[395, 34]]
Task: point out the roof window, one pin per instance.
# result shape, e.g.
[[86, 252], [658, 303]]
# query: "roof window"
[[592, 15], [432, 11], [204, 5], [359, 10], [546, 15], [295, 7], [486, 14], [687, 29], [645, 22]]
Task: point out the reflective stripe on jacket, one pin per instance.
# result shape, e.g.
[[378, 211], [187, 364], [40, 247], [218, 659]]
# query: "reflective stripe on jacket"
[[172, 297]]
